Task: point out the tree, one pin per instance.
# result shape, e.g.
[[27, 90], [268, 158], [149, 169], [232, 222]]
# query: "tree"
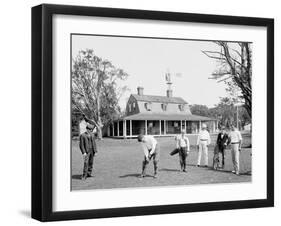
[[226, 112], [235, 68], [198, 109], [95, 89]]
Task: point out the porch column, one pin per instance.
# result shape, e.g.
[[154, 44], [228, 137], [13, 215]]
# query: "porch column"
[[214, 126], [165, 127], [124, 129], [117, 128], [108, 131], [181, 126], [159, 127], [130, 128], [113, 129], [217, 124], [200, 124], [185, 126], [145, 122]]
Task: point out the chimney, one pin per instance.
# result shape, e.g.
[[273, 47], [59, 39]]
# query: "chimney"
[[140, 91], [169, 93]]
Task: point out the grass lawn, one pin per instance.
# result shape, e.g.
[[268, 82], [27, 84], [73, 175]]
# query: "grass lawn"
[[118, 165]]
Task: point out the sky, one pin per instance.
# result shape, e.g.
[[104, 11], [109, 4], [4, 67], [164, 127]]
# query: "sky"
[[147, 61]]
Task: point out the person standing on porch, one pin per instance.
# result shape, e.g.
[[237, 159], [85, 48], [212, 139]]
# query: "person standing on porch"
[[151, 150], [203, 141], [182, 144]]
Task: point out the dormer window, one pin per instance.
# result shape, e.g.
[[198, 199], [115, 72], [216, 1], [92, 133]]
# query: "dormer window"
[[181, 107], [164, 107], [130, 107], [134, 106], [147, 106]]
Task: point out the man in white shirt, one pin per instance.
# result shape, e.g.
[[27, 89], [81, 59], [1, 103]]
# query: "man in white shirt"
[[203, 141], [151, 150], [182, 144], [82, 126], [236, 142]]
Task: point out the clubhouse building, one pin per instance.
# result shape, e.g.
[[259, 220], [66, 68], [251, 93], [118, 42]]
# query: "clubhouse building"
[[157, 116]]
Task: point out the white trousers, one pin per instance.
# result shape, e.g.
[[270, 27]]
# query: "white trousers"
[[203, 149], [235, 157]]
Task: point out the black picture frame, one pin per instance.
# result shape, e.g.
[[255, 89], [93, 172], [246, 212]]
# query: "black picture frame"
[[42, 108]]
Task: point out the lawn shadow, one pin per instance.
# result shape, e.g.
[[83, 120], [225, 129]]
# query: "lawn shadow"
[[248, 173], [200, 166], [221, 170], [169, 170], [134, 175], [76, 177], [191, 164]]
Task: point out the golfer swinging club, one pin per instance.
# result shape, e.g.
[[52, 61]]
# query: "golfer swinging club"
[[151, 150]]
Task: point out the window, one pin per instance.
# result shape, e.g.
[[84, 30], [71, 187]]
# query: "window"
[[181, 107], [164, 107], [134, 106], [129, 107], [147, 106]]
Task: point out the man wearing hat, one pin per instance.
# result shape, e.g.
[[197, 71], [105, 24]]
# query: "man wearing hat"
[[182, 144], [151, 150], [203, 141], [83, 124], [89, 149]]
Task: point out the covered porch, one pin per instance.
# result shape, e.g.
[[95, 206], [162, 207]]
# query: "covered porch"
[[166, 125]]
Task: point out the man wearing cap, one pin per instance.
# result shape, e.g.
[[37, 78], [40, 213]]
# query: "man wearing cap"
[[89, 149], [236, 142], [83, 124], [203, 141], [222, 141], [182, 144], [151, 150]]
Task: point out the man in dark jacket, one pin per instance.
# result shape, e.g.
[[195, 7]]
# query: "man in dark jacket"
[[89, 149], [222, 142]]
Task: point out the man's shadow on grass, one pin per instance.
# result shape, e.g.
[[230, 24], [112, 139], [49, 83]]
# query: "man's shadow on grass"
[[76, 176], [169, 170], [221, 170], [134, 175]]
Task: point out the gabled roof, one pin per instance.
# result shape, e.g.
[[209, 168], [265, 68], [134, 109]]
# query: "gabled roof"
[[167, 116], [160, 99]]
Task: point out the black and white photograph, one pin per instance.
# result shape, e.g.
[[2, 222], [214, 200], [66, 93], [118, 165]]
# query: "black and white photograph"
[[140, 113], [154, 112]]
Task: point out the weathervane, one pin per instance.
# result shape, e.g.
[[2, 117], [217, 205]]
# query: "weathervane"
[[168, 79]]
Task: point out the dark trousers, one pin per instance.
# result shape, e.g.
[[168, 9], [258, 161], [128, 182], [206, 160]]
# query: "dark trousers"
[[222, 150], [182, 157], [155, 156], [88, 164]]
